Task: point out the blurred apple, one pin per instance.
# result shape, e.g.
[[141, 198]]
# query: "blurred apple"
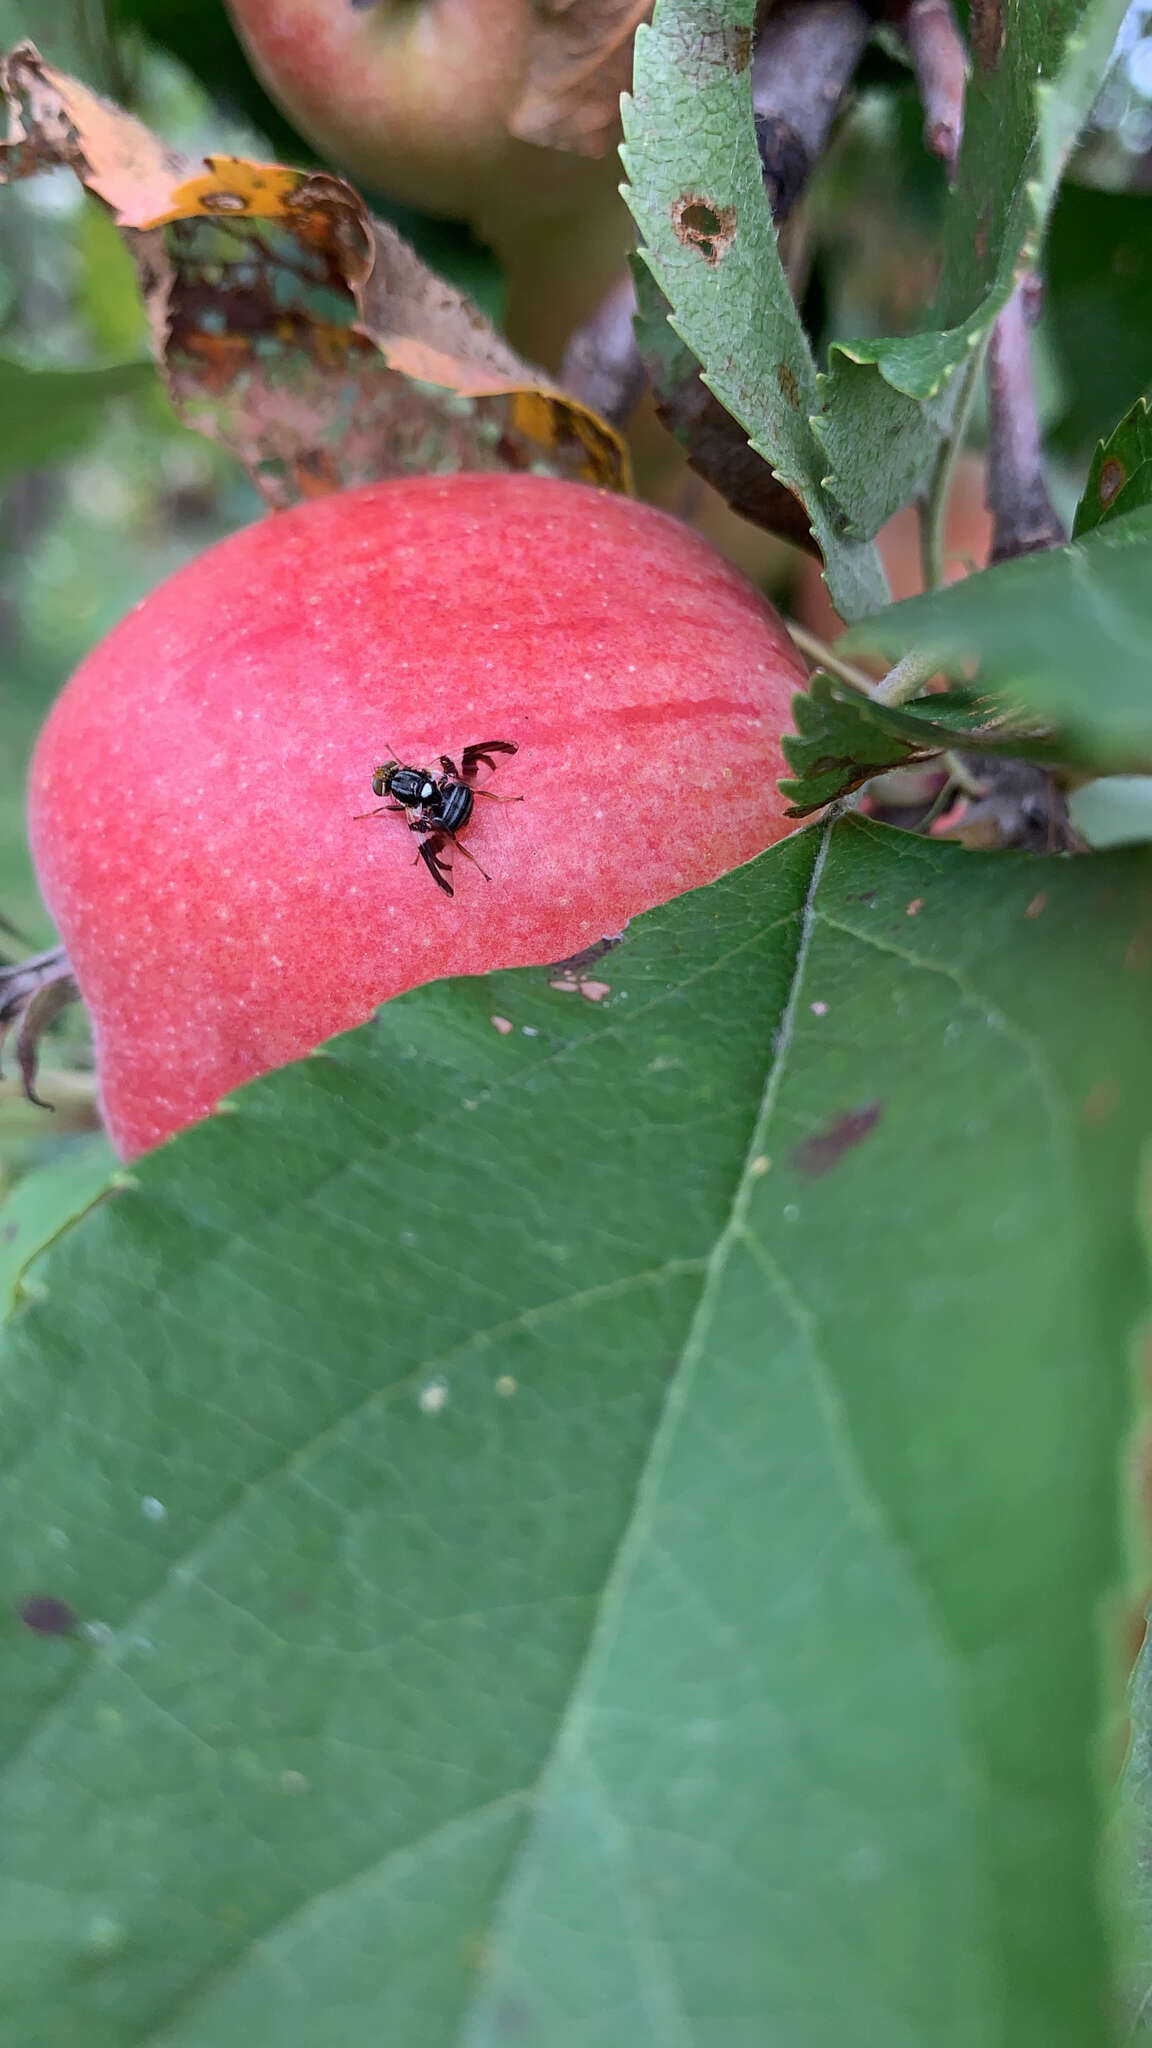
[[967, 543], [416, 99]]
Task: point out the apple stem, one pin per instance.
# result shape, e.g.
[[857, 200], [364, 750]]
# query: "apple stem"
[[32, 993], [1024, 518]]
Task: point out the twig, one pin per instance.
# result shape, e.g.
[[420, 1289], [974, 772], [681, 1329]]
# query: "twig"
[[940, 62], [934, 509], [1024, 517], [801, 68], [907, 679], [817, 650], [602, 366]]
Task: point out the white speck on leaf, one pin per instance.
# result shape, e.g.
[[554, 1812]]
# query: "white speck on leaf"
[[153, 1510], [433, 1397]]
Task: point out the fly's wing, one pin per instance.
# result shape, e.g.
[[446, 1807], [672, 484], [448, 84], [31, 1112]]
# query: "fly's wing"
[[440, 871], [483, 750]]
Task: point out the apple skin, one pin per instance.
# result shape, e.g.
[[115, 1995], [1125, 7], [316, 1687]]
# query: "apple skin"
[[194, 791]]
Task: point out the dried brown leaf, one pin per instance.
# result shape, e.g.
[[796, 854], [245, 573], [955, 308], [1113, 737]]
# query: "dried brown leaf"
[[290, 325]]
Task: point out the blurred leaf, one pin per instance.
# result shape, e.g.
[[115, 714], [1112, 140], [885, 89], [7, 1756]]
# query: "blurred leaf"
[[1098, 298], [45, 414], [1062, 636], [1035, 72], [200, 34], [75, 33], [556, 1534], [42, 1205], [110, 291], [1120, 479], [1116, 810], [696, 190], [307, 338], [844, 737]]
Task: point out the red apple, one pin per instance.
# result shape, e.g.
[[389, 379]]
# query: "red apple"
[[193, 795]]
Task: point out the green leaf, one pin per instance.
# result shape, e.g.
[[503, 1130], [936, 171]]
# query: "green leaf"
[[45, 414], [1120, 479], [696, 190], [1035, 73], [844, 737], [41, 1206], [1098, 281], [565, 1524], [1063, 636]]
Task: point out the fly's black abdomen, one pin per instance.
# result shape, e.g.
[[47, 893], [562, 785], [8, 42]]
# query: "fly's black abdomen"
[[453, 806]]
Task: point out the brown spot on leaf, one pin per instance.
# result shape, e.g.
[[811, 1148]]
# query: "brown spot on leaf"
[[819, 1154], [1037, 906], [1113, 477], [706, 52], [788, 385], [701, 225], [46, 1615], [1138, 951]]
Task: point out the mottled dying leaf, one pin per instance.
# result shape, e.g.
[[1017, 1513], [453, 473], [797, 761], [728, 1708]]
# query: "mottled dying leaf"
[[290, 325]]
